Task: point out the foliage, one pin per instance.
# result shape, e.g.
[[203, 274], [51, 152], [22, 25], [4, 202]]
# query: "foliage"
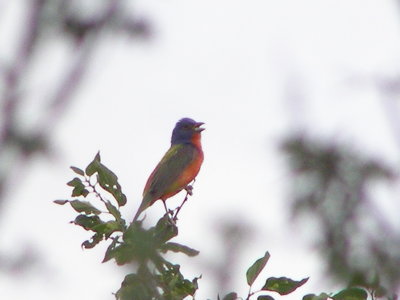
[[282, 285], [158, 278], [333, 186], [130, 243]]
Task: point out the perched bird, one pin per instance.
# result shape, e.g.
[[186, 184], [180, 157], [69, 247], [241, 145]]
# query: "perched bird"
[[179, 166]]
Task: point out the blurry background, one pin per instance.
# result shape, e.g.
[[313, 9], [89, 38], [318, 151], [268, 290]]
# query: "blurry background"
[[300, 101]]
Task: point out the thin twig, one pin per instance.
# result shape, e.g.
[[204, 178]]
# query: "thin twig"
[[95, 191], [189, 192], [13, 77], [179, 207]]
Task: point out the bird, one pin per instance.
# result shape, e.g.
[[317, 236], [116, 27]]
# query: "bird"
[[178, 167]]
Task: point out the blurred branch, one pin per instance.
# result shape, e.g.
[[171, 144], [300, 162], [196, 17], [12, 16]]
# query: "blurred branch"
[[25, 260], [13, 77], [233, 235], [48, 22], [11, 98], [84, 33]]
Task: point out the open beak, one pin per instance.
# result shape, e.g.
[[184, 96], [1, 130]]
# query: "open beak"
[[197, 127]]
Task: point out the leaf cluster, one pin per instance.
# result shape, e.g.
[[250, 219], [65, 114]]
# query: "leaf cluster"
[[145, 248], [282, 285], [354, 292], [156, 278], [334, 185]]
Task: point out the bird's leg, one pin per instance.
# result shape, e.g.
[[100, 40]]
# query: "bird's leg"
[[166, 209], [179, 207]]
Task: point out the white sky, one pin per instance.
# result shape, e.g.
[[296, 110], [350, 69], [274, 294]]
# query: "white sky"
[[229, 64]]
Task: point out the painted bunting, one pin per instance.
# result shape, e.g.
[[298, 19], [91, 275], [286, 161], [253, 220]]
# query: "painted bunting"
[[179, 166]]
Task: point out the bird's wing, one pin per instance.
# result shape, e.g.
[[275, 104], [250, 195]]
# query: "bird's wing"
[[168, 170], [165, 176]]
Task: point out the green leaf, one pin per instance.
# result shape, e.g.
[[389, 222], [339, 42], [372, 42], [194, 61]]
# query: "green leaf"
[[136, 287], [113, 210], [60, 202], [79, 191], [75, 182], [175, 247], [109, 182], [84, 206], [230, 296], [78, 171], [79, 187], [282, 285], [107, 179], [87, 222], [107, 228], [123, 254], [322, 296], [164, 230], [351, 294], [110, 249], [97, 238], [175, 285], [265, 297], [195, 282], [119, 196], [256, 268], [94, 165], [184, 288], [141, 242]]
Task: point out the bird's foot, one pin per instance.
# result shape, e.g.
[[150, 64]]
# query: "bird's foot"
[[189, 189]]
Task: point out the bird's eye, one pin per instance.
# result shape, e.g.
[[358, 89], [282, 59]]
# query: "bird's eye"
[[186, 127]]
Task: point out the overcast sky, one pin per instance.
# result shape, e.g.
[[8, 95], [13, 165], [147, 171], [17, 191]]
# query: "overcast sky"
[[253, 71]]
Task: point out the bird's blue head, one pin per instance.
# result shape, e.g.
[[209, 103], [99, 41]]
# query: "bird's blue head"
[[185, 130]]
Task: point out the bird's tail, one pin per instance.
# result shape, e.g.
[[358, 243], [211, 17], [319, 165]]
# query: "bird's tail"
[[145, 204], [137, 215]]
